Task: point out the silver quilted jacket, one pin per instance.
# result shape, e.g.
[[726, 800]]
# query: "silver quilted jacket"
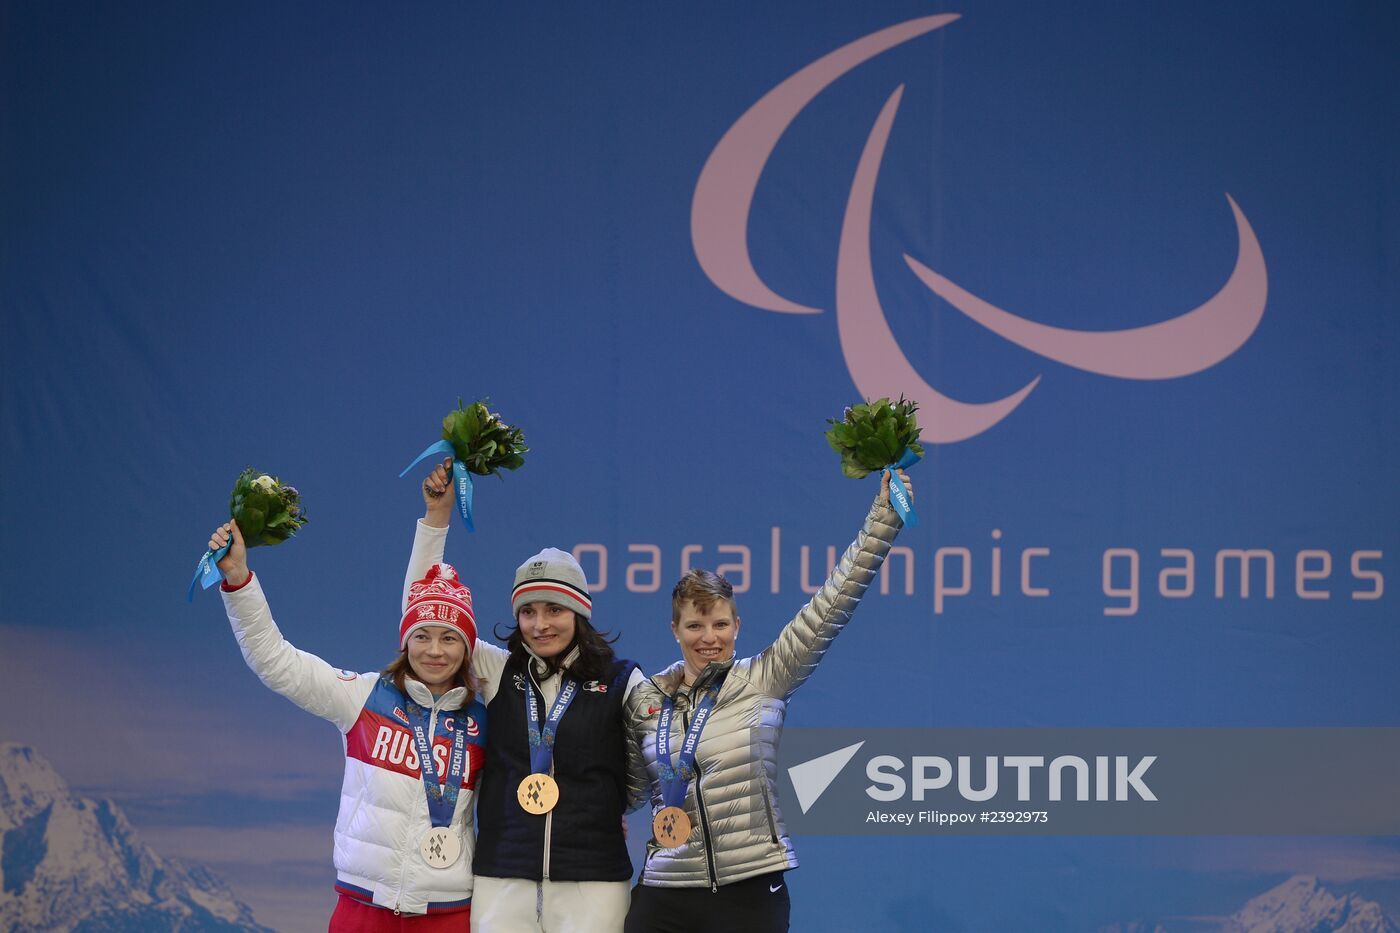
[[737, 827]]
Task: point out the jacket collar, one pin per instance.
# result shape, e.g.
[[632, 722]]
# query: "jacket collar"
[[539, 667], [420, 694], [672, 680]]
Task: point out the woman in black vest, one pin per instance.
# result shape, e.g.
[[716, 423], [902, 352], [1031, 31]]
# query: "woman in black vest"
[[550, 841]]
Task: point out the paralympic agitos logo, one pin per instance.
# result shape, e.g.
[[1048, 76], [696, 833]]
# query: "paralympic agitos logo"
[[1185, 344]]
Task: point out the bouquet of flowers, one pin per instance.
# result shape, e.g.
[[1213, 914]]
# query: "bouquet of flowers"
[[481, 441], [875, 435], [268, 511]]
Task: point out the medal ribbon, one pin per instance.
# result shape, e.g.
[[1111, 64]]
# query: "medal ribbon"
[[542, 738], [442, 799], [461, 478], [675, 780], [899, 496]]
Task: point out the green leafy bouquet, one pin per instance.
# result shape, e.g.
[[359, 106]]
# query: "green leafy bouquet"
[[874, 435], [481, 441], [268, 511]]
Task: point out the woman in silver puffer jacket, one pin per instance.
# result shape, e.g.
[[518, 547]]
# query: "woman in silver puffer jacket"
[[719, 848]]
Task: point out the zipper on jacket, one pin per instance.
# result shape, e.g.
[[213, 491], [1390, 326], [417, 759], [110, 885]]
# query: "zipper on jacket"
[[398, 895], [768, 810], [704, 820], [548, 827], [432, 731], [403, 864], [548, 817]]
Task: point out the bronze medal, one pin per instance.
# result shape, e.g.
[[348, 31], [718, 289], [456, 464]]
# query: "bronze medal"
[[538, 794], [671, 826]]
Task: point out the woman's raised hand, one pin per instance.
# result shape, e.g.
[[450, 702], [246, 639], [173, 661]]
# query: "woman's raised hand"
[[885, 487], [234, 564], [436, 487]]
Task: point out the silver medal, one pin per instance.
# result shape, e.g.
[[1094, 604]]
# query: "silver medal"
[[440, 847]]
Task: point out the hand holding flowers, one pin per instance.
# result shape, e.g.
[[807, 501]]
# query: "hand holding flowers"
[[477, 441], [267, 510], [481, 441], [880, 435], [263, 511]]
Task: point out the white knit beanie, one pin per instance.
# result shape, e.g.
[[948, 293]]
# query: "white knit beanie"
[[551, 576]]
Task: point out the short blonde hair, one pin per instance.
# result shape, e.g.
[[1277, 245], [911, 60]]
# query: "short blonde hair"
[[703, 588]]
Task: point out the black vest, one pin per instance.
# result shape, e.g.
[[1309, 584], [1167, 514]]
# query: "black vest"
[[590, 766]]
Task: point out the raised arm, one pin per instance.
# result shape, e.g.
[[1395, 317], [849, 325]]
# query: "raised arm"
[[301, 677], [430, 541], [786, 664], [429, 545]]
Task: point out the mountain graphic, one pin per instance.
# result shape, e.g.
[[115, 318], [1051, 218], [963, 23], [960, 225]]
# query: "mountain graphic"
[[72, 864], [1299, 905], [1302, 905]]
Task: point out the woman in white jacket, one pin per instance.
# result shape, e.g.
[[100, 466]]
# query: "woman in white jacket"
[[414, 747]]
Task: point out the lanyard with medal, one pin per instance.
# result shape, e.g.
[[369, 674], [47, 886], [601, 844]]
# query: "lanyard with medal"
[[440, 846], [671, 825], [539, 792]]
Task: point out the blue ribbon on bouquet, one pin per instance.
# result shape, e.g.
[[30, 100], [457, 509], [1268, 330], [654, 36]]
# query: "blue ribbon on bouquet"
[[461, 478], [208, 572], [899, 496]]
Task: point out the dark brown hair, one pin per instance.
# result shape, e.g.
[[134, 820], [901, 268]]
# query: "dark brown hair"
[[595, 653]]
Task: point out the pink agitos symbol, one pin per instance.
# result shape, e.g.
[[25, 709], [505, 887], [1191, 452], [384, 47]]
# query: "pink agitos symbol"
[[719, 216]]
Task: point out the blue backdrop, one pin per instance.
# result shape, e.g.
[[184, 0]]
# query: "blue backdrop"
[[293, 235]]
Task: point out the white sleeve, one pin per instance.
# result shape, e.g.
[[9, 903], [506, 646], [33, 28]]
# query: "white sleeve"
[[429, 545], [488, 661], [299, 676]]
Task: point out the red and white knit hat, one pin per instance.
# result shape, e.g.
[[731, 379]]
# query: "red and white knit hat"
[[439, 599]]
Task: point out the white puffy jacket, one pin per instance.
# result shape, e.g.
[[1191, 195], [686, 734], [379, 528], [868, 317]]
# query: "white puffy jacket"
[[383, 807]]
